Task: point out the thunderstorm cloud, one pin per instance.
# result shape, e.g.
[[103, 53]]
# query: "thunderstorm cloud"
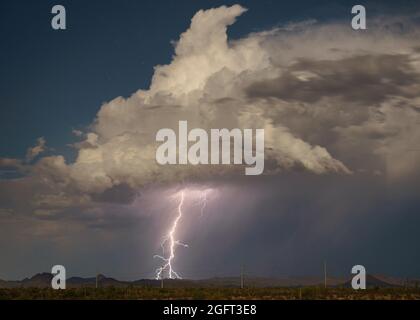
[[332, 101], [329, 99]]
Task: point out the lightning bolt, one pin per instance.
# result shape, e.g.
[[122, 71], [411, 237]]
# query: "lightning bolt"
[[203, 202], [170, 242], [170, 238]]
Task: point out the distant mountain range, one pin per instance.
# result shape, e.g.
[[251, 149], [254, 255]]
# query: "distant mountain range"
[[43, 280]]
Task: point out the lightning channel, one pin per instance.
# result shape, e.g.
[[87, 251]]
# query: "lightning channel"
[[171, 243]]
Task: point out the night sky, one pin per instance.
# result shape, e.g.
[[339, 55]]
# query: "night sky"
[[78, 185]]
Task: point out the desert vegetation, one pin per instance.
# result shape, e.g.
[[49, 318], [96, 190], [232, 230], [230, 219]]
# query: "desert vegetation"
[[147, 293]]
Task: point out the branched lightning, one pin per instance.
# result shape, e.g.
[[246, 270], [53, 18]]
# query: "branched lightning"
[[171, 242]]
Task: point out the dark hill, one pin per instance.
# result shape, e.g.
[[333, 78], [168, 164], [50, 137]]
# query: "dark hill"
[[43, 280]]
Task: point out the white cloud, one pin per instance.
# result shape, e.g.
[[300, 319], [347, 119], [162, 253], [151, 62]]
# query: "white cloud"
[[316, 89], [205, 70]]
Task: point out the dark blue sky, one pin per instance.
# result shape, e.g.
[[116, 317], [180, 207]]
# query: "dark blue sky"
[[54, 81]]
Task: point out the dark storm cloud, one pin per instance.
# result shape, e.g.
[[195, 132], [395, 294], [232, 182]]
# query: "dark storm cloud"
[[367, 79], [299, 221], [122, 194]]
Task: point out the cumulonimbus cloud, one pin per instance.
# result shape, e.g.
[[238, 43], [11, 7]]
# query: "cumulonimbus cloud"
[[329, 98], [206, 84]]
